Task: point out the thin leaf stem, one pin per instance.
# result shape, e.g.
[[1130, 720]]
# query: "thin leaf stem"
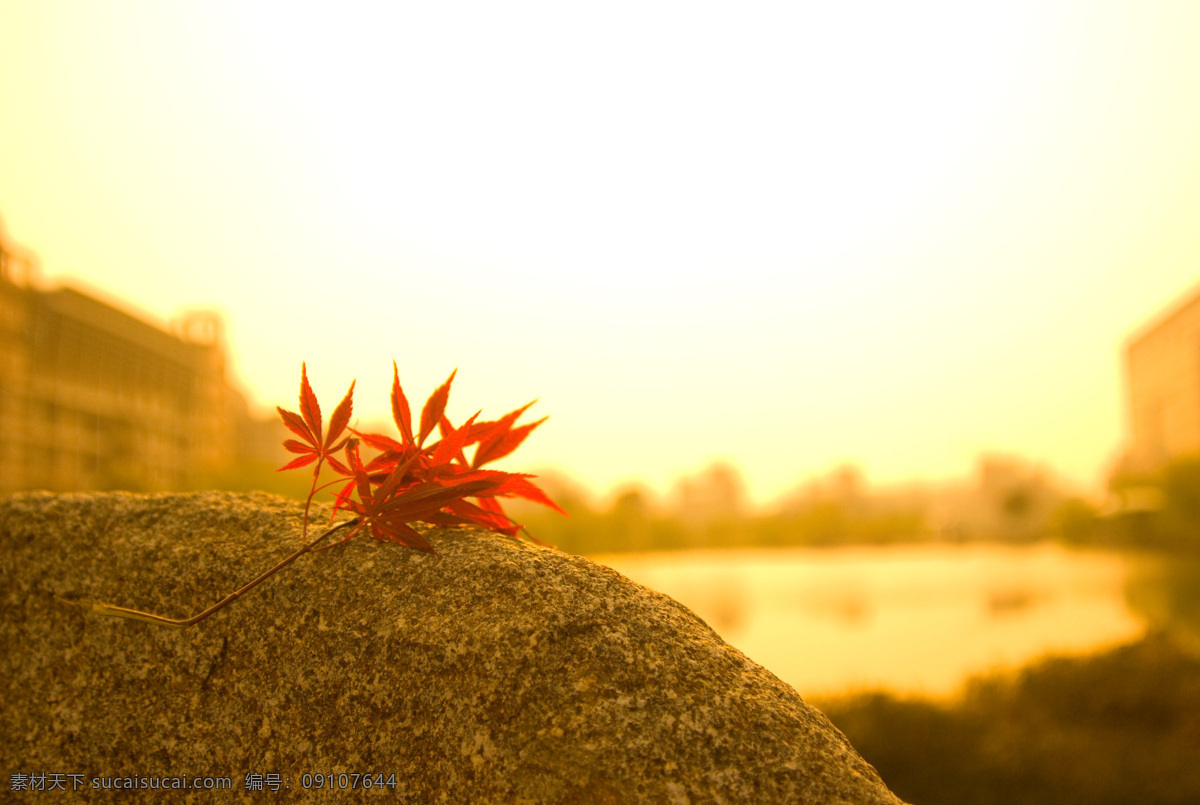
[[133, 614], [311, 492]]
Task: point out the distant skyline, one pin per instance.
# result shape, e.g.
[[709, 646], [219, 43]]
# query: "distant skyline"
[[786, 236]]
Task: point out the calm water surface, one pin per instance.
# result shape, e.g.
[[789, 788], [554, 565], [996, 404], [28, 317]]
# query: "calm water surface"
[[911, 619]]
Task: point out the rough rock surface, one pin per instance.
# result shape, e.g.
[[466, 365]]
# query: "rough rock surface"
[[499, 672]]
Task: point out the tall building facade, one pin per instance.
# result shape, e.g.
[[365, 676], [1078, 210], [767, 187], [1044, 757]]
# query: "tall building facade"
[[92, 397], [1162, 365]]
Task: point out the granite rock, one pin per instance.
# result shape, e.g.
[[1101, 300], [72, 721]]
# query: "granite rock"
[[497, 672]]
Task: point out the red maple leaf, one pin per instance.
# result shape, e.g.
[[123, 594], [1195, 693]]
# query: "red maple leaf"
[[409, 481], [388, 509], [499, 438], [309, 427]]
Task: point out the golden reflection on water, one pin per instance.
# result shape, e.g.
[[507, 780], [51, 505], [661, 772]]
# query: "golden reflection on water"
[[910, 620]]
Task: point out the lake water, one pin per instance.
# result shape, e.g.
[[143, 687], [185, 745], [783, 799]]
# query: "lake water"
[[910, 620]]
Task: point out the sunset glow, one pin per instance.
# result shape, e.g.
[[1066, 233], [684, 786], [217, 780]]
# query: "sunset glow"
[[786, 236]]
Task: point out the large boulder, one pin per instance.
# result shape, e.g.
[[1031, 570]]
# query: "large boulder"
[[497, 672]]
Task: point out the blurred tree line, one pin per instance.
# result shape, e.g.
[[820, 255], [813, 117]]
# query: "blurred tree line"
[[710, 510], [1007, 500]]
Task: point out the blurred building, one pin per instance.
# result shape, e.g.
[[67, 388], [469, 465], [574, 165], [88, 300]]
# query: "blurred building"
[[1163, 375], [92, 397]]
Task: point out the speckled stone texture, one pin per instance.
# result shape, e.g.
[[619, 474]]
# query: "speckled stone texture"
[[499, 672]]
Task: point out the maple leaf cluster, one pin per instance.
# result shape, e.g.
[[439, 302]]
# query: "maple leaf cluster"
[[408, 481]]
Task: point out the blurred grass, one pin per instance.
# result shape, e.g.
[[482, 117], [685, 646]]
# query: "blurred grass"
[[1119, 727]]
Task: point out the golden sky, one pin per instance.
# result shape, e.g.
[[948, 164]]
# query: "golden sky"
[[788, 235]]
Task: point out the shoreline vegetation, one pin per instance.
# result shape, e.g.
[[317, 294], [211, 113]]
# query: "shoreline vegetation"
[[1117, 727]]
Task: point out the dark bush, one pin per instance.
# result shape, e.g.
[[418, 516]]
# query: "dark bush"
[[1120, 727]]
